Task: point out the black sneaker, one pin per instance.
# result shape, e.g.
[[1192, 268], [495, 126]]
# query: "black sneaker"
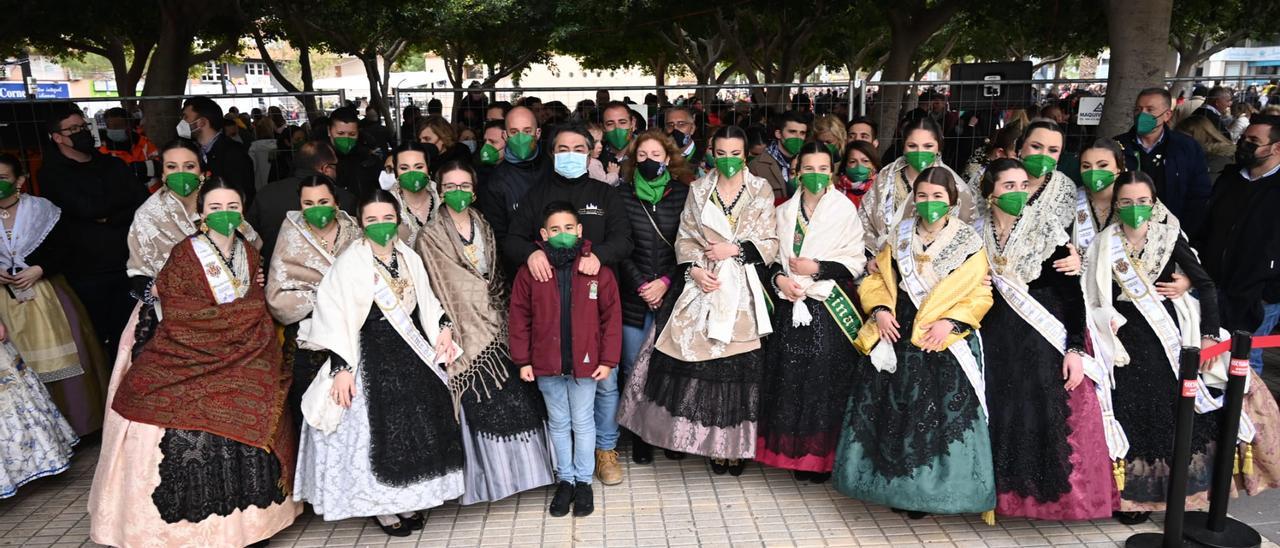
[[583, 503], [641, 452], [560, 502], [820, 477], [802, 475], [1131, 518]]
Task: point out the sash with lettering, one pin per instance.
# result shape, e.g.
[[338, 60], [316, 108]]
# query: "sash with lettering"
[[340, 311], [917, 291], [834, 234], [214, 363]]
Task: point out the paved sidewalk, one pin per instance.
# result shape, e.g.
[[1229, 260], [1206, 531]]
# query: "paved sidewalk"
[[671, 503]]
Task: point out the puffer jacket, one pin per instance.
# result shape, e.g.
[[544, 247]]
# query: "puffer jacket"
[[651, 257]]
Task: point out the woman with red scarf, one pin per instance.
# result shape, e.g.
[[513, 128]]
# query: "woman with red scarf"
[[197, 448], [858, 170]]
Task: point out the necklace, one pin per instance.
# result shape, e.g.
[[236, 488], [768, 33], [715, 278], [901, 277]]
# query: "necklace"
[[728, 210], [392, 271], [325, 244], [227, 262], [4, 210], [469, 244]]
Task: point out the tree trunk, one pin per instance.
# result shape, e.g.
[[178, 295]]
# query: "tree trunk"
[[1138, 33], [167, 75], [309, 102], [659, 68], [372, 74], [888, 105], [1186, 64]]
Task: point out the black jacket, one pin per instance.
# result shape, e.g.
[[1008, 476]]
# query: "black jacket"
[[652, 256], [500, 192], [229, 160], [98, 199], [358, 171], [1186, 175], [1239, 244], [266, 214], [604, 220], [458, 152]]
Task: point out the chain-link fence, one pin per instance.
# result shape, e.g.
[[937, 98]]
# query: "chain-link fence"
[[118, 126]]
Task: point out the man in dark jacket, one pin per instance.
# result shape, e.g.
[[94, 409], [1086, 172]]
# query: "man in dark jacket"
[[1216, 107], [1174, 160], [1239, 241], [775, 164], [523, 165], [267, 213], [98, 195], [202, 121], [358, 167]]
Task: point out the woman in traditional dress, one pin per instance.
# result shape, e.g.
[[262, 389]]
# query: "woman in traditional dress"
[[503, 419], [701, 389], [415, 193], [1100, 163], [810, 359], [382, 437], [35, 441], [43, 315], [1048, 439], [167, 218], [309, 241], [196, 450], [1140, 333], [915, 434], [654, 189], [889, 200]]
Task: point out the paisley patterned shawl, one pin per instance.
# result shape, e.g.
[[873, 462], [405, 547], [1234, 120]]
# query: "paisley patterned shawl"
[[298, 265], [475, 303], [211, 367]]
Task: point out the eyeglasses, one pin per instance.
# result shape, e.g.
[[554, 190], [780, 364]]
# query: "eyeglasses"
[[448, 187], [681, 125], [74, 129]]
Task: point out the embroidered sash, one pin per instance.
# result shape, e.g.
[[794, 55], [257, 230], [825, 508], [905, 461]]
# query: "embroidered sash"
[[225, 287], [399, 319], [1086, 230], [917, 291], [838, 304]]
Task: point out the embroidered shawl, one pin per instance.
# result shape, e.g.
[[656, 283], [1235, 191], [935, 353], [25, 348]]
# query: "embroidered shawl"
[[160, 224], [891, 183], [409, 226], [298, 264], [35, 219], [1035, 235]]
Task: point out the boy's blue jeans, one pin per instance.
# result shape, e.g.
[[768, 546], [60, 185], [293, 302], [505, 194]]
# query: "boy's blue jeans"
[[571, 423], [1270, 316], [607, 391]]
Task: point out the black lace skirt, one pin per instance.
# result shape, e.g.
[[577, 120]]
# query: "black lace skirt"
[[203, 474], [413, 434], [515, 411], [718, 393], [909, 418], [305, 364], [1028, 405], [808, 373]]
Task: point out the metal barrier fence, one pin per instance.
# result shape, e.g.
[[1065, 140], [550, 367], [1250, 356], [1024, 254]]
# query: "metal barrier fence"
[[24, 132]]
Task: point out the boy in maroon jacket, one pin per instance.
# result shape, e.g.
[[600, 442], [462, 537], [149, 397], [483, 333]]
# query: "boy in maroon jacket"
[[566, 334]]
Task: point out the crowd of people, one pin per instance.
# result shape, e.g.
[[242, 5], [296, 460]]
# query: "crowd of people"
[[377, 333]]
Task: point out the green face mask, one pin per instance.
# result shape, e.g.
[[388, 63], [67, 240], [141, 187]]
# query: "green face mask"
[[791, 145], [381, 233], [932, 211], [520, 145], [729, 166], [834, 150], [1039, 165], [815, 183], [1012, 202], [563, 240], [412, 181], [7, 188], [458, 200], [319, 216], [1097, 179], [617, 137], [919, 160], [489, 154], [1135, 215], [223, 222], [1145, 123], [344, 144], [651, 191], [182, 183], [857, 174]]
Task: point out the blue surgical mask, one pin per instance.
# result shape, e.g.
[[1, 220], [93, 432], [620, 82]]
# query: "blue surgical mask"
[[118, 135], [571, 165], [470, 144]]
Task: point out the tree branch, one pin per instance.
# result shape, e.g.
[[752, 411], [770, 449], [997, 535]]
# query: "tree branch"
[[271, 63], [218, 50]]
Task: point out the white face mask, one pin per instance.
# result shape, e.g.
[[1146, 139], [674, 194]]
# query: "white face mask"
[[184, 129], [471, 145], [386, 180]]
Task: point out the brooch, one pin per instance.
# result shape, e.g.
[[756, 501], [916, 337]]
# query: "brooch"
[[1081, 217], [1122, 266], [211, 269]]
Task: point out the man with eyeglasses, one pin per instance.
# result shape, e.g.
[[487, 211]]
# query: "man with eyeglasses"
[[98, 195], [266, 214], [678, 123], [1174, 160], [1239, 242]]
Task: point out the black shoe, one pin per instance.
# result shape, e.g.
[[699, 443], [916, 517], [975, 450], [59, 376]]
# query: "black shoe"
[[583, 503], [415, 522], [397, 529], [641, 452], [1131, 518], [719, 467], [912, 514], [736, 466], [801, 475], [560, 501], [897, 510], [820, 477], [261, 544], [673, 455]]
